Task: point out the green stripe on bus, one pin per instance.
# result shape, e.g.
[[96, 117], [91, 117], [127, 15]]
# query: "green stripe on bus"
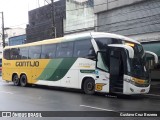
[[57, 69]]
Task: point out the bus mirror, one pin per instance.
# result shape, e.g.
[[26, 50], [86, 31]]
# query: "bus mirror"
[[92, 57], [153, 54], [128, 48]]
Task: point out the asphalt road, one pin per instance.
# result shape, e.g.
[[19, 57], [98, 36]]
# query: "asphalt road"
[[39, 98]]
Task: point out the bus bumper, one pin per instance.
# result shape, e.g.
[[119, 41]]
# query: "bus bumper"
[[129, 88]]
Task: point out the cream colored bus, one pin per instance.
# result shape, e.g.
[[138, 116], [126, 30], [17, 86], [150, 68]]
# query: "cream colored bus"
[[101, 62]]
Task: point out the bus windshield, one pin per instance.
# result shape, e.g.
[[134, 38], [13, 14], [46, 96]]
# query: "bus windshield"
[[137, 63]]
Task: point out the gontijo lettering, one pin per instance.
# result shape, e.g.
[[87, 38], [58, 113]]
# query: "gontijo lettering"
[[27, 63]]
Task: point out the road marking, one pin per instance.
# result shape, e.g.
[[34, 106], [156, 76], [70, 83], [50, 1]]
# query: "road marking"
[[6, 92], [97, 108]]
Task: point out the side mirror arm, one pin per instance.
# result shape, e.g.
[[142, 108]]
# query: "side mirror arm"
[[155, 56]]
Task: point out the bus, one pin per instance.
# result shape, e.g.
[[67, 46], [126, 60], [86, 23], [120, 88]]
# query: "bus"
[[153, 46], [92, 62]]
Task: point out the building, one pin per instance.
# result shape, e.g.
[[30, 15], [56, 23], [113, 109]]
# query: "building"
[[41, 20], [138, 19], [17, 40], [71, 17], [11, 32], [79, 16]]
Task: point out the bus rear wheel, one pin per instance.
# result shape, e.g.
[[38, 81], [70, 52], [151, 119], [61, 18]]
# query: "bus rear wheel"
[[89, 86], [15, 80], [23, 80]]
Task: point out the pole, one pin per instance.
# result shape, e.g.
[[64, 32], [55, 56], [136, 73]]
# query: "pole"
[[3, 37], [53, 18]]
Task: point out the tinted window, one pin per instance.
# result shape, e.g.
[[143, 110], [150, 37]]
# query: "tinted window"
[[103, 42], [24, 53], [65, 49], [6, 54], [14, 53], [35, 52], [48, 51], [84, 48], [103, 46]]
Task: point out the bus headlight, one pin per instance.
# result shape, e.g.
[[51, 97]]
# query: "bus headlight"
[[138, 81]]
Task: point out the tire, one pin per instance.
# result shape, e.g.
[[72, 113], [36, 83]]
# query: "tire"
[[15, 80], [23, 80], [89, 86]]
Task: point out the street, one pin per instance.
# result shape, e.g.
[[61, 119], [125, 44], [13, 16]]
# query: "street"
[[40, 98]]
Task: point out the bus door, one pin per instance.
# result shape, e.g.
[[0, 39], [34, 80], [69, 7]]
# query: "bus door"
[[111, 62], [116, 69], [119, 54], [114, 62]]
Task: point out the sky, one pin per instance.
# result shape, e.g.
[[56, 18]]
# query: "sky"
[[16, 11]]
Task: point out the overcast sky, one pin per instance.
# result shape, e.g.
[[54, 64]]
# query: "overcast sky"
[[16, 11]]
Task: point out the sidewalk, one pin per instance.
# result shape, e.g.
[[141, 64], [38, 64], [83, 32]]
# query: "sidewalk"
[[154, 90], [155, 87]]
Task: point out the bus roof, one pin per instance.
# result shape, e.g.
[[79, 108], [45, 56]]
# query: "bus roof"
[[75, 37], [111, 35]]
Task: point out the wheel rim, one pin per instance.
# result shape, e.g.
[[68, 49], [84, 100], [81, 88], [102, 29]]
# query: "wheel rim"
[[90, 86], [16, 80], [23, 80]]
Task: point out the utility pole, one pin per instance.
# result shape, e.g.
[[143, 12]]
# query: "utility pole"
[[53, 18], [3, 37]]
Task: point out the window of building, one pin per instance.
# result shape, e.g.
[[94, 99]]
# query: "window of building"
[[48, 51]]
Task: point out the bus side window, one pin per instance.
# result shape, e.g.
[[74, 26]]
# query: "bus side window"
[[6, 54], [48, 51], [24, 53], [103, 46], [15, 54], [84, 49], [64, 49], [35, 52]]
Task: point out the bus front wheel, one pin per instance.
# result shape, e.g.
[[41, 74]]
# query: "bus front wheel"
[[15, 80], [89, 86], [23, 80]]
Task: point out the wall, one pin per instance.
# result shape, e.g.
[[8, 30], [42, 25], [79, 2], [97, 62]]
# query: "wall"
[[104, 5], [40, 25], [134, 20], [17, 40], [79, 16]]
